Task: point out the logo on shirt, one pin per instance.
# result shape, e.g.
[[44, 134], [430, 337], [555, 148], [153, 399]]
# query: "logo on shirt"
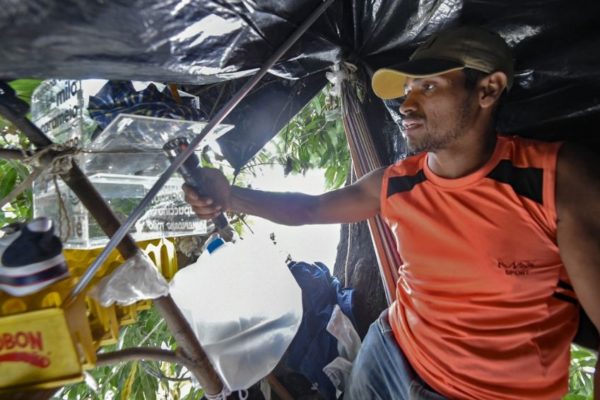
[[515, 268]]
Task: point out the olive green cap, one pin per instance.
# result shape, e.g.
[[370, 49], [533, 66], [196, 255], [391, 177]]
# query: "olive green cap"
[[449, 50]]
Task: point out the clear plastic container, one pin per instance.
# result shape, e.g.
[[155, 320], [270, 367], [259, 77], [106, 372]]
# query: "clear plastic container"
[[123, 163], [59, 109], [167, 216]]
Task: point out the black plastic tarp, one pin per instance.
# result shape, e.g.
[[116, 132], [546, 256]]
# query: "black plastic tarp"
[[201, 42]]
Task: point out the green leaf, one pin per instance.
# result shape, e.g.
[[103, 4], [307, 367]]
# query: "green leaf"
[[314, 124], [576, 397], [318, 106], [149, 387], [7, 182], [128, 385], [24, 88], [332, 115]]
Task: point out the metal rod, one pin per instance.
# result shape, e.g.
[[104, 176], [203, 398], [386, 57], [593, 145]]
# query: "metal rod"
[[177, 162], [138, 353]]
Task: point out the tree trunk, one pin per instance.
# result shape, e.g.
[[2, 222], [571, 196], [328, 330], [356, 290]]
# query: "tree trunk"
[[356, 267]]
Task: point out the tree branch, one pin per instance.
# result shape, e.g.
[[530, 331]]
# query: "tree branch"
[[12, 154], [140, 353], [278, 388]]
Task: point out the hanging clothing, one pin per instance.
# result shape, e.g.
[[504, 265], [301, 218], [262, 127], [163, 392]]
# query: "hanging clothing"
[[121, 98], [313, 347]]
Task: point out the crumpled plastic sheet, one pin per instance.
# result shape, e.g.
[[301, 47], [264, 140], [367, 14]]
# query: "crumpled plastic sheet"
[[205, 42], [136, 279], [339, 370], [200, 41]]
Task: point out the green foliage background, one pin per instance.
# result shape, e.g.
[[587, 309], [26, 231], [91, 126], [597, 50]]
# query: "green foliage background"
[[313, 139], [147, 380], [13, 172]]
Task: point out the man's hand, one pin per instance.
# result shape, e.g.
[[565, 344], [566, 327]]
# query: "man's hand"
[[352, 203], [215, 197]]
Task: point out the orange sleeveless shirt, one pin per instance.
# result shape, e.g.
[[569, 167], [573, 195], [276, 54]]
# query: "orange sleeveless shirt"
[[484, 307]]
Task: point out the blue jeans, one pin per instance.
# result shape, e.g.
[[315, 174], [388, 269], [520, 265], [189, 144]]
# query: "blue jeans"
[[381, 371]]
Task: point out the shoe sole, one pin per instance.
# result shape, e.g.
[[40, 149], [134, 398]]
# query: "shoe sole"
[[23, 285], [31, 269]]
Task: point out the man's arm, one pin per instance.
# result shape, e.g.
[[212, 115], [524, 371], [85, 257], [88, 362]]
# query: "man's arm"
[[352, 203], [578, 208]]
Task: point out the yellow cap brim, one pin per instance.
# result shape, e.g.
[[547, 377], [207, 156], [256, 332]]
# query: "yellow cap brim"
[[390, 83]]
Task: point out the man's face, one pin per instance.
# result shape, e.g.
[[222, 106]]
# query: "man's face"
[[436, 111]]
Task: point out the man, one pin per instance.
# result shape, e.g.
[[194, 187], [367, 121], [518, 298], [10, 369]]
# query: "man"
[[486, 305]]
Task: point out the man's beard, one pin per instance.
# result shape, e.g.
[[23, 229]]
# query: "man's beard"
[[432, 141]]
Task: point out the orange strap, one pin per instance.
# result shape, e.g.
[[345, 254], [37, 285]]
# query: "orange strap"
[[364, 160]]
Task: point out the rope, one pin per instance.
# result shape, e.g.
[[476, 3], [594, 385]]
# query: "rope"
[[219, 396], [242, 395], [364, 160], [62, 212], [60, 164]]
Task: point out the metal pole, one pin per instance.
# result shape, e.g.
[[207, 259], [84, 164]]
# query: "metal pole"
[[178, 161]]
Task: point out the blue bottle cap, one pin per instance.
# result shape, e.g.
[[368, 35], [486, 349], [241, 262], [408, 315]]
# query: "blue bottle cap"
[[214, 244]]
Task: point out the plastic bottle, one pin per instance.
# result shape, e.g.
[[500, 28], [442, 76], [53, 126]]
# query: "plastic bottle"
[[244, 306]]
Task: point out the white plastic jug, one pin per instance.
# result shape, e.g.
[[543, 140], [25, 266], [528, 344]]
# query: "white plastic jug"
[[244, 306]]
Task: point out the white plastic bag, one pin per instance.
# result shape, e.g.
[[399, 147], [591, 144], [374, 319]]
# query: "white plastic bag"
[[244, 306], [134, 280], [338, 371]]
